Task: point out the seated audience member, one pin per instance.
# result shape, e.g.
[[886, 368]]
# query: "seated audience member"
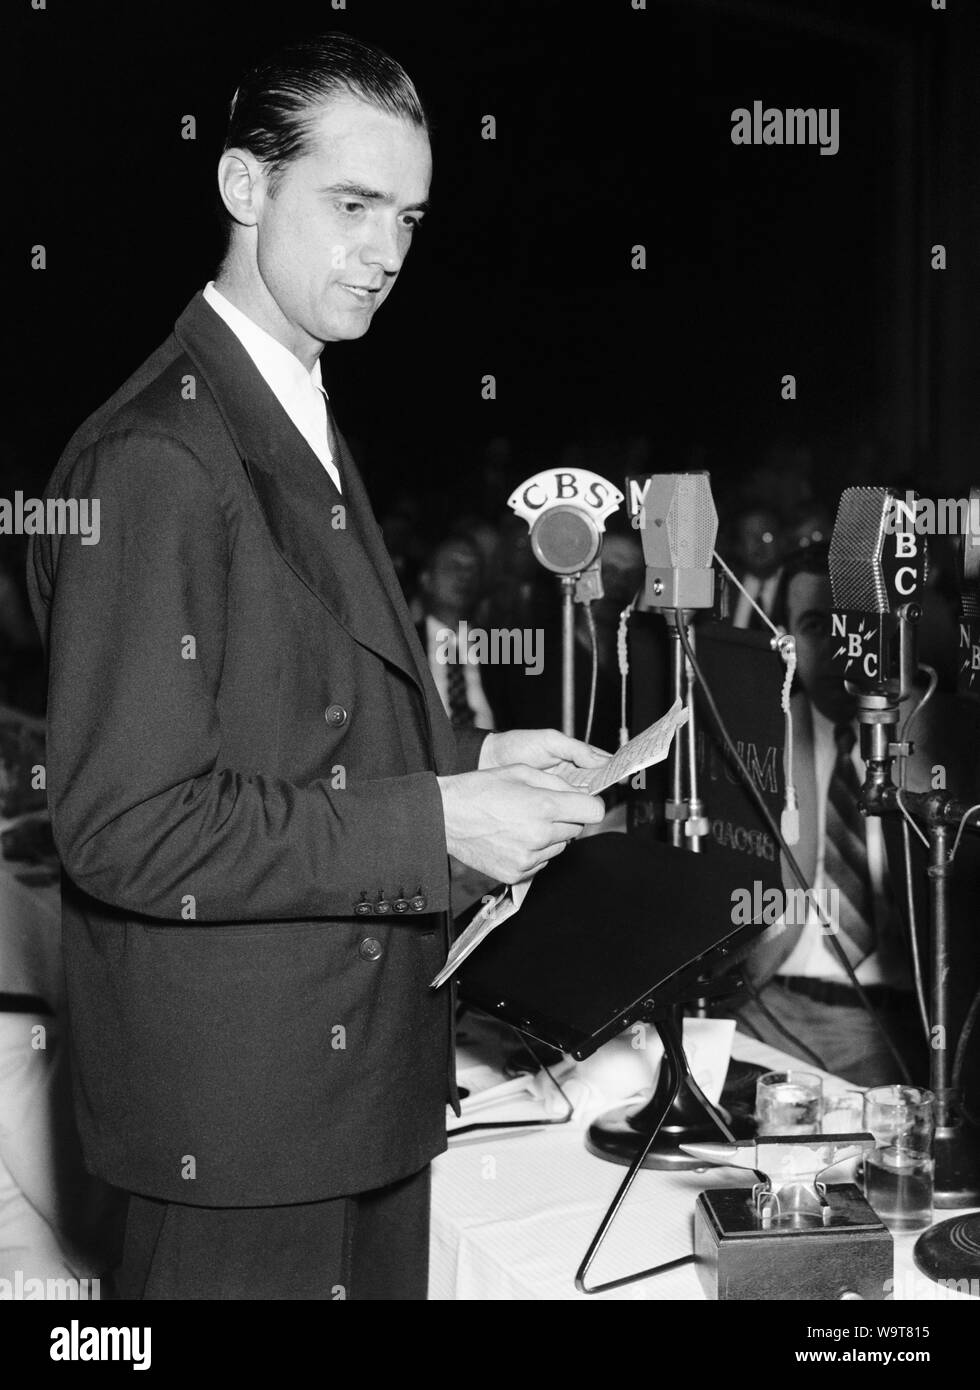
[[809, 523], [482, 533], [755, 561], [21, 661], [803, 989], [449, 591]]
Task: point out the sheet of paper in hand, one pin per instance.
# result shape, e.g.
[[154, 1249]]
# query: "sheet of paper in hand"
[[649, 747], [492, 913], [646, 749]]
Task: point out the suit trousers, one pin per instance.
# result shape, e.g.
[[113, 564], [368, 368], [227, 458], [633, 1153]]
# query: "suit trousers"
[[372, 1246]]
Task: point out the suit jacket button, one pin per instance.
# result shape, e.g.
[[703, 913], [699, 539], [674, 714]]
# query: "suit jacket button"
[[336, 716], [419, 903], [382, 906], [400, 904], [370, 949], [363, 909]]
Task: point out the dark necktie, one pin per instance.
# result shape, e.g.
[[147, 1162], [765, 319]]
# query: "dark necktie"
[[332, 441], [460, 712], [846, 855]]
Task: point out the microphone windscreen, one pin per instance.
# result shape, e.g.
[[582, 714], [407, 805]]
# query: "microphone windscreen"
[[969, 560], [679, 524], [857, 578], [565, 540]]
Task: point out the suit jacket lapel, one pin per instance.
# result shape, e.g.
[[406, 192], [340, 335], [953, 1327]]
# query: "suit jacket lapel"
[[340, 563], [368, 530]]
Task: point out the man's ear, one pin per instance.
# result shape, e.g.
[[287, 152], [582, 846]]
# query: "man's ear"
[[241, 185]]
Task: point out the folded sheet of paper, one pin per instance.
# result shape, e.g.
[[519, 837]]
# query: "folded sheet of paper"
[[648, 748]]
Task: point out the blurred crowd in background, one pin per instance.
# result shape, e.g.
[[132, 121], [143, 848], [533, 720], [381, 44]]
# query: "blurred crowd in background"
[[462, 555]]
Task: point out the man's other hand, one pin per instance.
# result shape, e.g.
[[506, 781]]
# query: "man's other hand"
[[546, 749], [508, 822]]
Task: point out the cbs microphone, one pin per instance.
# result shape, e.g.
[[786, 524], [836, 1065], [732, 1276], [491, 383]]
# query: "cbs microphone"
[[566, 511]]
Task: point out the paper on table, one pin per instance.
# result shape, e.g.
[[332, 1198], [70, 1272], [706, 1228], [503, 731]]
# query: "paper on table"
[[648, 748]]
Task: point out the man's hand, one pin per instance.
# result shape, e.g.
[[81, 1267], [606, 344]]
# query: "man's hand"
[[546, 749], [508, 822]]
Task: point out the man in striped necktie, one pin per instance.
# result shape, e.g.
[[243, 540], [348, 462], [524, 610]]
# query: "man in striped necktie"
[[806, 992]]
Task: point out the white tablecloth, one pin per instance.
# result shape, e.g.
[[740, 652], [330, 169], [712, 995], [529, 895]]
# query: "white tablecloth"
[[514, 1212]]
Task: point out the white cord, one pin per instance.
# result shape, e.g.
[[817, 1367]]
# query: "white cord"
[[622, 657], [784, 643]]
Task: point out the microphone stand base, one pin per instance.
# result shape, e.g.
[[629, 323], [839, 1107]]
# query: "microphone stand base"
[[619, 1135], [950, 1252]]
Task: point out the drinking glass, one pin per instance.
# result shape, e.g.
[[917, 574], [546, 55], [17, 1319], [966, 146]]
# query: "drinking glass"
[[788, 1102], [899, 1171]]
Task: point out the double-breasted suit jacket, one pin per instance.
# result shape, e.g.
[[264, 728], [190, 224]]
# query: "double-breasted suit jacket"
[[243, 744]]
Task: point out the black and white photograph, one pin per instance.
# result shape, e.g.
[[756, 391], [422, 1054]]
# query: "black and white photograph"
[[490, 668]]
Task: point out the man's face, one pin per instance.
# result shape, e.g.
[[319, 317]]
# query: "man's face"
[[451, 583], [758, 542], [809, 603], [622, 573], [333, 236]]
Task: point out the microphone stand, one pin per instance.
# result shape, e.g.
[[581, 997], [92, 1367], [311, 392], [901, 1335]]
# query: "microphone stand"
[[957, 1155], [568, 582], [584, 586], [624, 1134]]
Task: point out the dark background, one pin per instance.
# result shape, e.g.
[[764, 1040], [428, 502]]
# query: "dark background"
[[613, 129]]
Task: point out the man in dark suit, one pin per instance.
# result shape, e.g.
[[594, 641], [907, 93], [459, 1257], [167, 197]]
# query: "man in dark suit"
[[758, 546], [449, 591], [254, 788], [804, 991]]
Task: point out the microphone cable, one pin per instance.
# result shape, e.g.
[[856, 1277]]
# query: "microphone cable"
[[907, 821]]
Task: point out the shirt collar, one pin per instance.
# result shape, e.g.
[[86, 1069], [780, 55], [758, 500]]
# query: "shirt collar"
[[281, 368]]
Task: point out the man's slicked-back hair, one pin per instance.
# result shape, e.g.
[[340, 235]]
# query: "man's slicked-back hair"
[[272, 113]]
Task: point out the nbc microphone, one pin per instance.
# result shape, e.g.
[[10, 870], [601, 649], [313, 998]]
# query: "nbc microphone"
[[877, 574], [968, 567]]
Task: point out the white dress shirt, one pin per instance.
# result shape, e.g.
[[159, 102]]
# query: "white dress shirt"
[[762, 590], [299, 392], [810, 955]]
